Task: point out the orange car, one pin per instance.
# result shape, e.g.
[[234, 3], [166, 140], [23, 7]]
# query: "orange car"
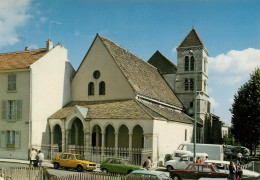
[[75, 161]]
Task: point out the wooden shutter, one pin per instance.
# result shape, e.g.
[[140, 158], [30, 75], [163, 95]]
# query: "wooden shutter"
[[3, 139], [19, 109], [3, 110], [17, 139]]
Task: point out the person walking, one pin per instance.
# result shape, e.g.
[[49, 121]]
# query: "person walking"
[[148, 163], [239, 171], [232, 171], [33, 157], [198, 161], [41, 158]]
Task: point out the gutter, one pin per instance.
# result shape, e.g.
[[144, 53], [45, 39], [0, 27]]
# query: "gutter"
[[30, 112]]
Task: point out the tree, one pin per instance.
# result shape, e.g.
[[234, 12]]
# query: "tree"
[[246, 112]]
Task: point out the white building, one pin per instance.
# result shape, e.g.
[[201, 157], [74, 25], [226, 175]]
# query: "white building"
[[34, 84], [119, 101]]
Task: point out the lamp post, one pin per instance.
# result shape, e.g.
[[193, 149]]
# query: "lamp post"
[[195, 107]]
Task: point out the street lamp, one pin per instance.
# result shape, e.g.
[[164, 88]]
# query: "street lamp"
[[195, 107]]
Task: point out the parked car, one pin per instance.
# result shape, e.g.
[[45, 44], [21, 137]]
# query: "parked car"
[[232, 151], [75, 161], [197, 171], [145, 174], [223, 167], [183, 161], [117, 165]]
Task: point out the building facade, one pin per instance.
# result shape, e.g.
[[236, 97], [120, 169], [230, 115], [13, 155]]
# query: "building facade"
[[34, 84]]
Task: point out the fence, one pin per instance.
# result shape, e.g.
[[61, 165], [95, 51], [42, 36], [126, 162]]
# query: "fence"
[[22, 173], [101, 176], [98, 154]]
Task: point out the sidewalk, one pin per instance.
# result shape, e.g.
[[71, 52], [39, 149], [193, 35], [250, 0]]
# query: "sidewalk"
[[46, 163]]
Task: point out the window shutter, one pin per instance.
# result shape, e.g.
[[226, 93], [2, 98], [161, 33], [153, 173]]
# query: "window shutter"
[[17, 139], [3, 139], [3, 110], [19, 109]]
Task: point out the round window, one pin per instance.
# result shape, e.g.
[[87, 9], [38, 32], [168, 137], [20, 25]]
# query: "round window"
[[96, 74]]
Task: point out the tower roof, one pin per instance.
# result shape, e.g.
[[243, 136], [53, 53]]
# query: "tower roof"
[[192, 39]]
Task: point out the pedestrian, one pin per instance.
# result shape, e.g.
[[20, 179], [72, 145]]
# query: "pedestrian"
[[239, 171], [33, 157], [148, 163], [41, 158], [232, 171], [198, 161]]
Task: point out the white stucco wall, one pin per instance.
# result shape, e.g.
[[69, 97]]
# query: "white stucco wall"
[[98, 58], [170, 136], [50, 91], [21, 93]]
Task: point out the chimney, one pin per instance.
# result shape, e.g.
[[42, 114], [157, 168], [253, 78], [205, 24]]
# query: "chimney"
[[49, 45], [26, 48]]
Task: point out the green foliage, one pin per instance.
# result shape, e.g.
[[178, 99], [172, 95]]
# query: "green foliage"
[[246, 112]]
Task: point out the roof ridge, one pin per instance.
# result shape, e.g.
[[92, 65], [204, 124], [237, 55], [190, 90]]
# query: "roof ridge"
[[166, 58], [22, 51], [120, 46]]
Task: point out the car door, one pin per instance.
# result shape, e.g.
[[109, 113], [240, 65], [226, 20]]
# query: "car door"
[[118, 166], [71, 161], [183, 162], [63, 159], [193, 172]]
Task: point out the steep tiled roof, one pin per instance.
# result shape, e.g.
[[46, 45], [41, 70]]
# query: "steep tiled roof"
[[20, 59], [125, 109], [171, 115], [143, 77], [192, 39], [164, 65]]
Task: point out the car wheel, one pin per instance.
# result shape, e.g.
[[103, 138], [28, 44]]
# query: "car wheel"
[[169, 168], [176, 177], [79, 168], [56, 165], [104, 170]]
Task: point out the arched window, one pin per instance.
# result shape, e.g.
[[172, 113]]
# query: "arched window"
[[192, 63], [186, 84], [102, 88], [186, 63], [191, 84], [91, 89]]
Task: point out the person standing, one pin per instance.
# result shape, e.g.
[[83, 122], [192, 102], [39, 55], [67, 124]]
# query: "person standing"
[[33, 157], [198, 161], [148, 163], [239, 171], [232, 171], [41, 158]]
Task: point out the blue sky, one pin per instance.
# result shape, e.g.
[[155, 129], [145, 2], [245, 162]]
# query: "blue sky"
[[230, 30]]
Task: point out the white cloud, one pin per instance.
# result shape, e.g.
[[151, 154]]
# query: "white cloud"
[[235, 66], [43, 19], [13, 14], [213, 102]]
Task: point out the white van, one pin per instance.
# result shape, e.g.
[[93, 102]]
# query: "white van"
[[215, 151]]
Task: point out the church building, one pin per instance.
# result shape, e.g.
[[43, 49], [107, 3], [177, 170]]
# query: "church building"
[[124, 106]]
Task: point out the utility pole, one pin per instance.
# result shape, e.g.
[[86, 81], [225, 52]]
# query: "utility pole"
[[195, 107]]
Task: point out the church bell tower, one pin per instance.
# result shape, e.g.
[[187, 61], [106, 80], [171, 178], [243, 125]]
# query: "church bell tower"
[[192, 68]]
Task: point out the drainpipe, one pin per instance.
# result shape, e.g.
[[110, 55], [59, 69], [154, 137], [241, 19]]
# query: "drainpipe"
[[30, 111]]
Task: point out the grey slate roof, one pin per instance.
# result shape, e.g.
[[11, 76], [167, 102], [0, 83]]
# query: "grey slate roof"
[[164, 65], [143, 77], [192, 39]]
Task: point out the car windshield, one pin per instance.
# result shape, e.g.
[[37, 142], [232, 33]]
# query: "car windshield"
[[126, 162], [216, 169], [79, 157]]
